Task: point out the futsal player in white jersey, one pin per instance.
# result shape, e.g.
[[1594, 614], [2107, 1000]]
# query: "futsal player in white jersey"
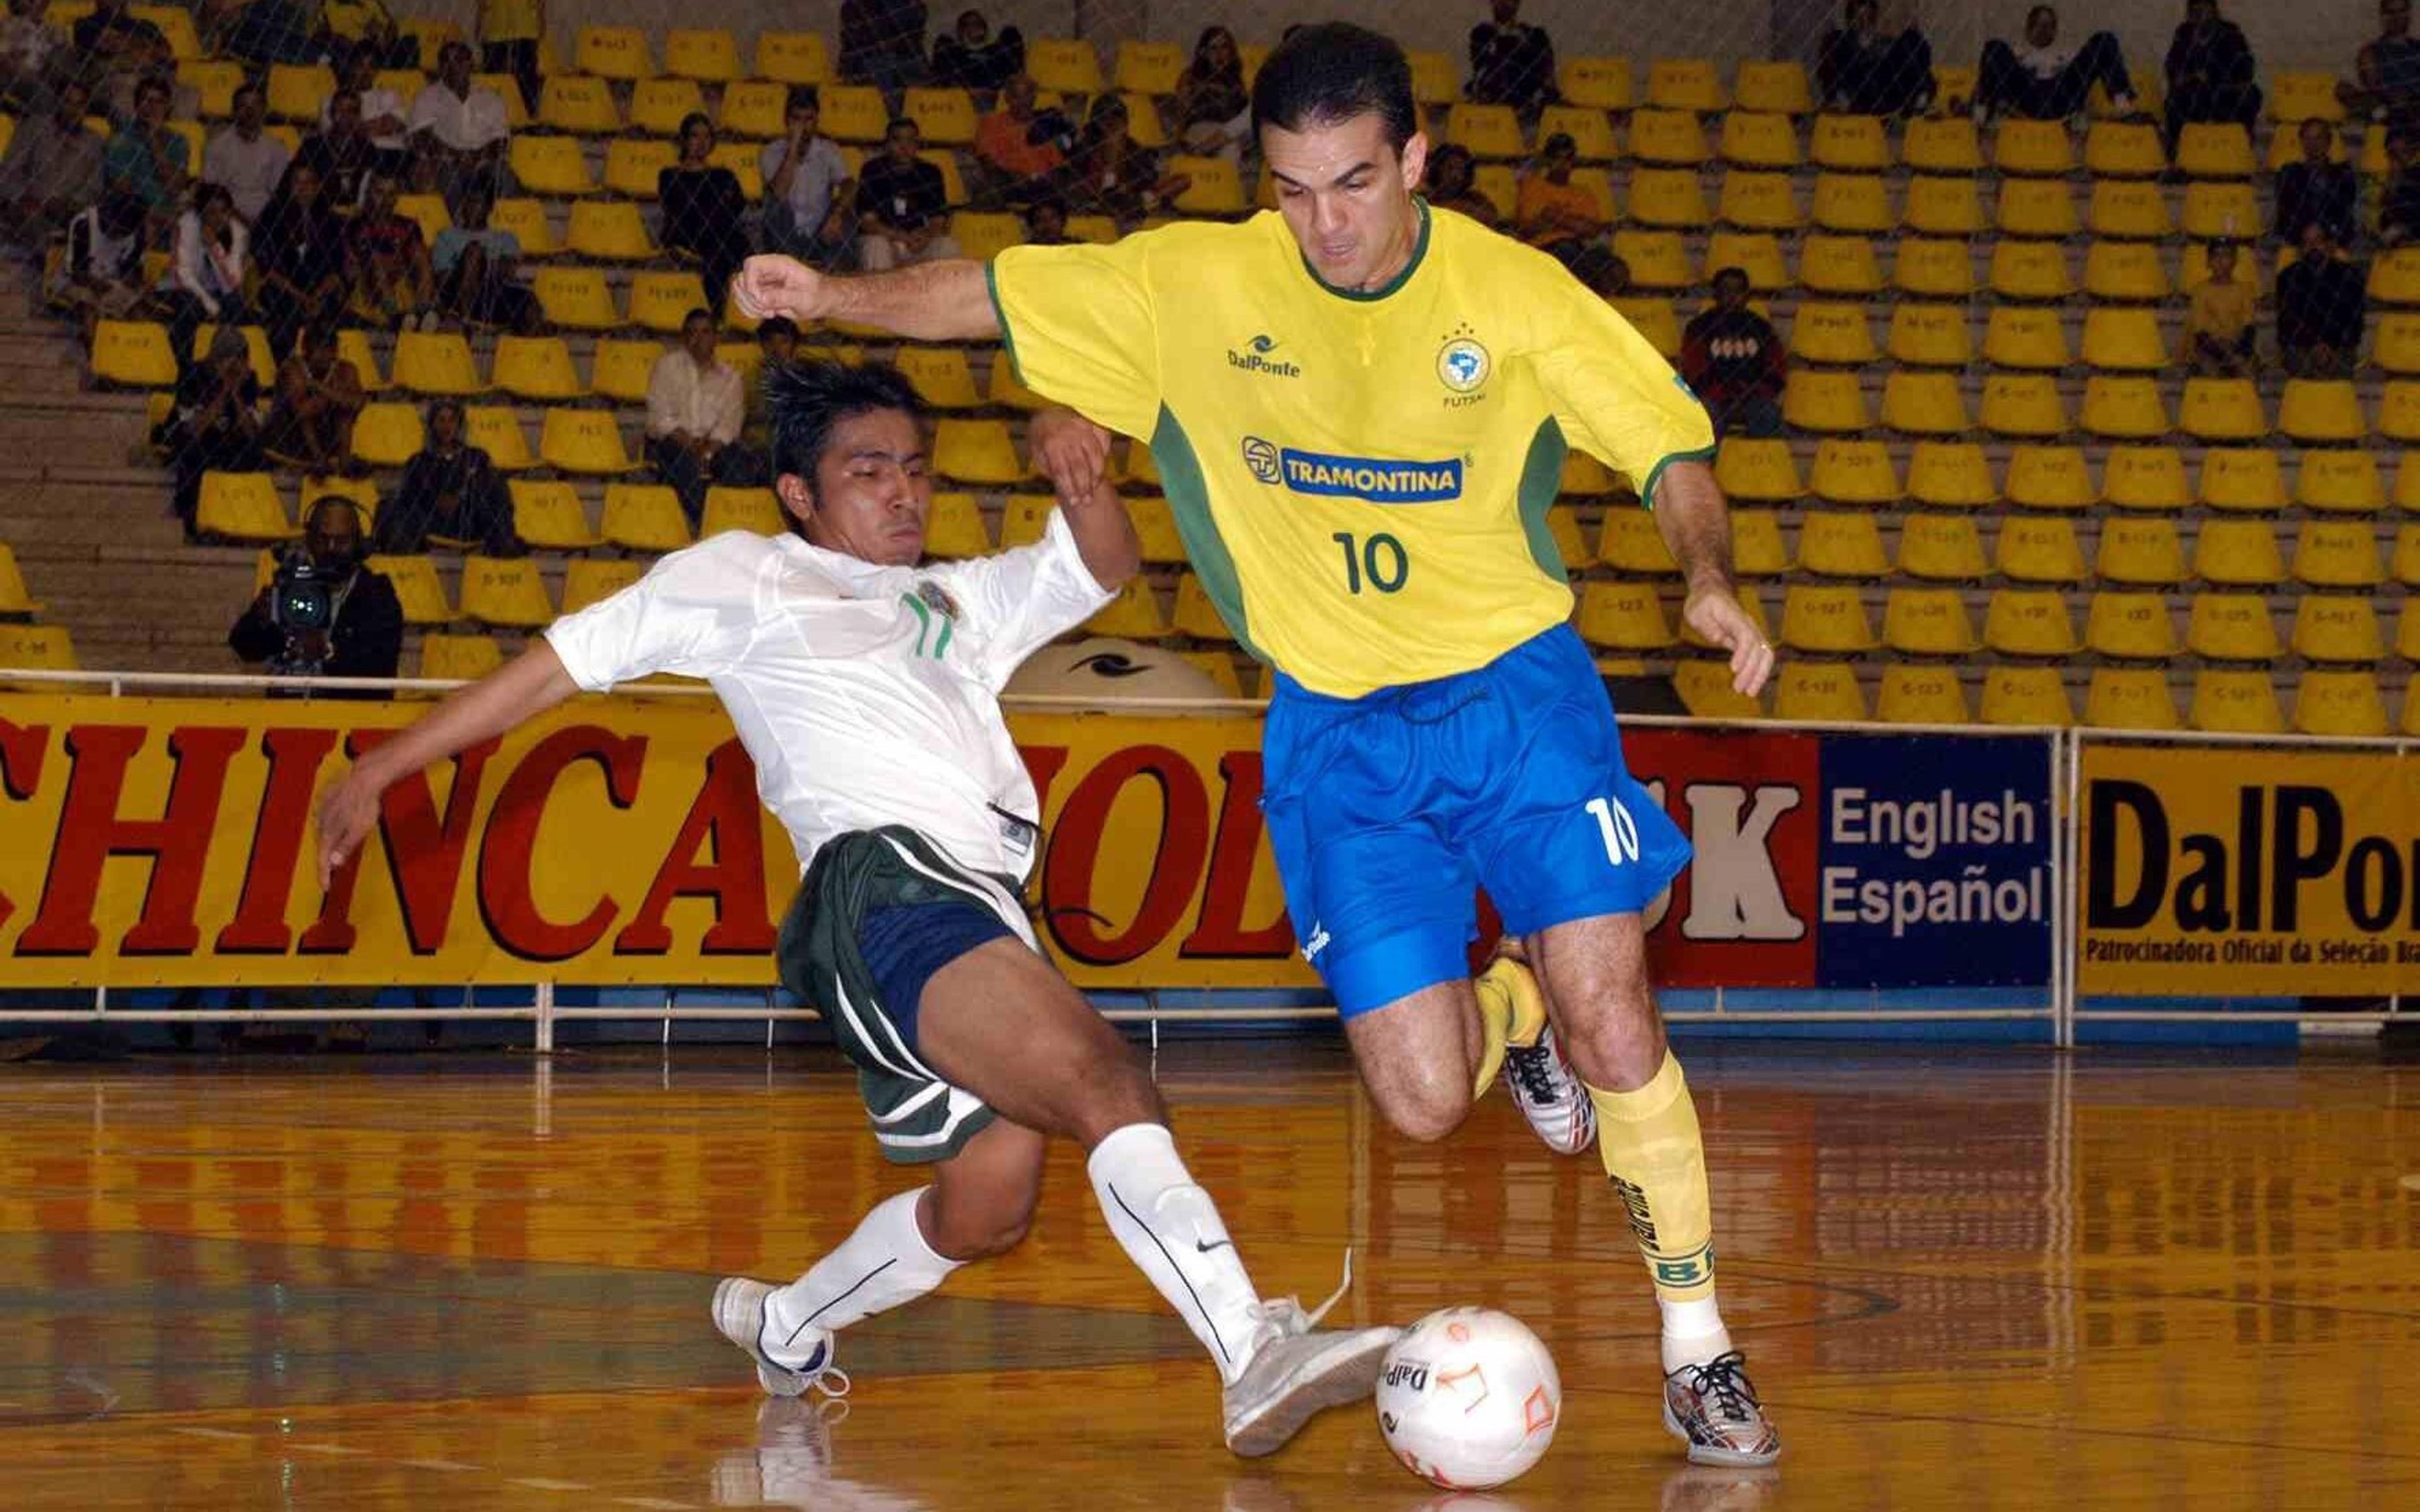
[[867, 690]]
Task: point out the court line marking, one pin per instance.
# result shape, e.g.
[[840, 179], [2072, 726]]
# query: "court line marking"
[[453, 1465], [538, 1483], [210, 1433], [331, 1450]]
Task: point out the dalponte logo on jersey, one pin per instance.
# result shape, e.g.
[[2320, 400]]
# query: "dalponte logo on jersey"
[[1353, 477], [1255, 358]]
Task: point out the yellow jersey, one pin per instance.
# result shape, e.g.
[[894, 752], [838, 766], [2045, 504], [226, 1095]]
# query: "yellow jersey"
[[1361, 479]]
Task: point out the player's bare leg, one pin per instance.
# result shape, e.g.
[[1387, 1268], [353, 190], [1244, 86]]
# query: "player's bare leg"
[[1594, 973], [1428, 1057]]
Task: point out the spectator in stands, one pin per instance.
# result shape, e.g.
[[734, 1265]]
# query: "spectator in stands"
[[695, 409], [2322, 301], [809, 197], [1214, 109], [903, 205], [2212, 76], [365, 639], [1045, 221], [342, 153], [204, 277], [1112, 174], [148, 160], [384, 119], [51, 173], [27, 45], [1020, 146], [1860, 71], [114, 43], [99, 272], [2398, 207], [451, 494], [704, 213], [394, 285], [478, 270], [2386, 72], [1452, 185], [310, 423], [2218, 325], [1605, 271], [215, 427], [1553, 213], [1734, 357], [244, 159], [458, 129], [972, 58], [509, 31], [882, 43], [298, 249], [2045, 82], [1510, 64], [2315, 188]]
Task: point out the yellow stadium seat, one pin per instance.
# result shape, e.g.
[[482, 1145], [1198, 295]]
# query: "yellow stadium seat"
[[1757, 549], [1853, 202], [386, 434], [2396, 344], [14, 599], [1835, 333], [517, 113], [1667, 197], [2036, 208], [2398, 411], [1134, 615], [2025, 696], [1929, 335], [1921, 694], [1597, 83], [946, 118], [940, 376], [1931, 268], [2134, 625], [436, 362], [658, 106], [1495, 181], [578, 103], [2029, 622], [1761, 470], [2231, 627], [1623, 616], [214, 82], [1154, 526], [1927, 622], [296, 90], [526, 219], [1654, 319], [1671, 138], [2131, 270], [2222, 410], [2038, 548], [1591, 131], [620, 369], [1841, 543], [2023, 405], [1487, 130], [2039, 149], [1853, 472], [2339, 702], [708, 55], [2236, 701], [549, 517], [1818, 691], [1150, 67], [1938, 144], [982, 234], [2221, 150], [1829, 620], [1630, 543], [497, 430], [593, 579], [2215, 208], [1583, 475], [2142, 550], [792, 58], [1685, 84], [2243, 479], [1940, 548], [2050, 477], [2123, 150], [243, 506], [1757, 254], [1779, 87], [2030, 270], [849, 112], [1821, 401], [2340, 481], [740, 158], [2407, 634], [753, 510], [1918, 402], [255, 341], [1196, 615], [2238, 553], [1950, 475], [955, 527], [2130, 697], [1839, 265], [1707, 692], [643, 517], [583, 442], [2147, 478], [2123, 408], [426, 212], [1941, 207], [1215, 187], [631, 165], [360, 492], [619, 52], [459, 658], [976, 451], [2337, 553], [2026, 336], [576, 299], [134, 354], [508, 594], [2297, 97], [1753, 139], [2322, 410], [552, 165], [2129, 208], [417, 588], [661, 302], [2331, 627], [2123, 338], [535, 367], [758, 109], [1064, 65], [1851, 144]]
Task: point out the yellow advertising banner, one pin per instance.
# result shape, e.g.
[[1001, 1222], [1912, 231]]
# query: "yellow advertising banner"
[[2235, 872], [148, 841]]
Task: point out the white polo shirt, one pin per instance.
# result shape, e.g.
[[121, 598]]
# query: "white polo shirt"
[[465, 125]]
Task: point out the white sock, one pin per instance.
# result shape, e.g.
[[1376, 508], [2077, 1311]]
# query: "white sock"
[[885, 1263], [1171, 1230], [1693, 1331]]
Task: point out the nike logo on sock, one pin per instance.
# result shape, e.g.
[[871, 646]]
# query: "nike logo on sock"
[[1201, 1248]]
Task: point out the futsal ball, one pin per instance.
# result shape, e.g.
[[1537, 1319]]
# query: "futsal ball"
[[1468, 1399]]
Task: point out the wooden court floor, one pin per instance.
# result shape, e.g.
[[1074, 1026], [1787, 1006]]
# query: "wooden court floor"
[[1965, 1278]]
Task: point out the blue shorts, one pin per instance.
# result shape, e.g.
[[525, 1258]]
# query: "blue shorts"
[[1386, 812], [904, 947]]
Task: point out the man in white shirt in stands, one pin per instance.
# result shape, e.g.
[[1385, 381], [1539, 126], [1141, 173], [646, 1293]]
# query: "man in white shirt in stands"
[[866, 690], [384, 119], [809, 196], [696, 405], [244, 157], [458, 127]]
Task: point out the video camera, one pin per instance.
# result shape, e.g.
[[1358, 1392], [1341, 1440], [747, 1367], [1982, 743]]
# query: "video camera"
[[302, 598]]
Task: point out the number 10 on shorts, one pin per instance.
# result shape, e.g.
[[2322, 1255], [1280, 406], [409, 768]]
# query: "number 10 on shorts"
[[1619, 830]]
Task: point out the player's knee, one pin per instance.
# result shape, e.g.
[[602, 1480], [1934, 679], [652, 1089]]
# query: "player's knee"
[[980, 1232], [1426, 1111]]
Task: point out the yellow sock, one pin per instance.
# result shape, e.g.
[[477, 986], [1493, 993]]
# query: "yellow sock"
[[1652, 1150], [1510, 1013]]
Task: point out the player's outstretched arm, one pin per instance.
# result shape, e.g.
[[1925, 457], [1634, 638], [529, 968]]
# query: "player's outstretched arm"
[[1073, 453], [1697, 526], [530, 684], [945, 300]]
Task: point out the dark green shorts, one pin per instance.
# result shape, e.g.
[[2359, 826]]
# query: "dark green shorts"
[[918, 1117]]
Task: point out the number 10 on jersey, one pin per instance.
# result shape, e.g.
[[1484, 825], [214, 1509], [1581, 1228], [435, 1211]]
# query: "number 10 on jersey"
[[1377, 560]]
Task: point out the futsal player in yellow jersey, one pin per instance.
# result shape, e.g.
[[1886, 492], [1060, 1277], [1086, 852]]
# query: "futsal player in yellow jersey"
[[1359, 407]]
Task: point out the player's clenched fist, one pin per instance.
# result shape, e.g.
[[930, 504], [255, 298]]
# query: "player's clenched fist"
[[769, 285], [1070, 451]]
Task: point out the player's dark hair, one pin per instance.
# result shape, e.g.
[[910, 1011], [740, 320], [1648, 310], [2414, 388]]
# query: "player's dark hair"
[[1327, 74], [806, 398]]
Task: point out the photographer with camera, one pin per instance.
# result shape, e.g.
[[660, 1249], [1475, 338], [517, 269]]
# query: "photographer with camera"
[[325, 614]]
